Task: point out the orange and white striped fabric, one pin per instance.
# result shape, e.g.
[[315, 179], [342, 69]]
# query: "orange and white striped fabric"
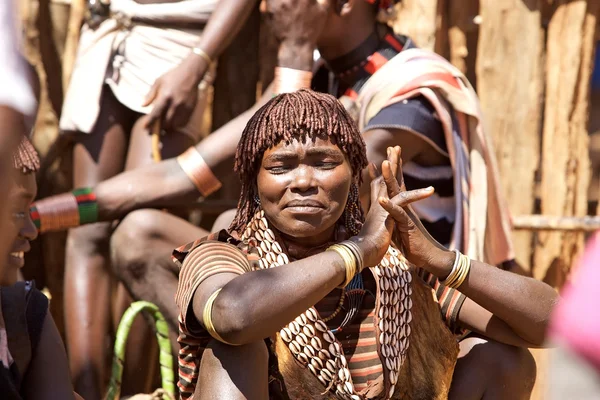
[[482, 229]]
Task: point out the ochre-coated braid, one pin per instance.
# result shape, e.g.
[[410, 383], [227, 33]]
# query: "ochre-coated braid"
[[302, 115]]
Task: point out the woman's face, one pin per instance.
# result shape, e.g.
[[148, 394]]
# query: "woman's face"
[[303, 188], [23, 230]]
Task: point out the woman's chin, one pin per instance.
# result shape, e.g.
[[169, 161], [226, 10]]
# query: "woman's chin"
[[303, 229], [16, 260]]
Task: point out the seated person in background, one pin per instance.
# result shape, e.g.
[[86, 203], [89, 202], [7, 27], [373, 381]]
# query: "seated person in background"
[[341, 310], [33, 361], [132, 56]]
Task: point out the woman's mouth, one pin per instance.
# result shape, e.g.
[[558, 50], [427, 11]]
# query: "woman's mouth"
[[305, 207], [17, 258]]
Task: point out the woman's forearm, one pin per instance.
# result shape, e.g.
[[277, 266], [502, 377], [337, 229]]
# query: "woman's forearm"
[[155, 186], [255, 305], [523, 303], [224, 24]]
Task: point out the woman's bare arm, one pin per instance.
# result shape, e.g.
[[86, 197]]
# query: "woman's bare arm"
[[517, 302], [254, 305], [48, 374], [165, 184], [521, 304]]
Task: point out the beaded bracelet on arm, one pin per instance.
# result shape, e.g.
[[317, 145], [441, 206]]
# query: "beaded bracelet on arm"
[[65, 211]]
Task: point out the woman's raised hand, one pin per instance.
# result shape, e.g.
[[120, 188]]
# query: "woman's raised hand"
[[376, 234], [418, 246]]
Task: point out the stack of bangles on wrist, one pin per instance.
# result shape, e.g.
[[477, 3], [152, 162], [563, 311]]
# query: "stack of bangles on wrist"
[[353, 262], [65, 211], [194, 166], [460, 270], [289, 80]]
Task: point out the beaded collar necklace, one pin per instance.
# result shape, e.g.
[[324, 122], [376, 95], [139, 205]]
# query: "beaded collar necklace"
[[361, 63]]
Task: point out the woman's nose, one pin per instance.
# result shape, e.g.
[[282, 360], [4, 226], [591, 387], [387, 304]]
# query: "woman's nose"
[[303, 180], [29, 230]]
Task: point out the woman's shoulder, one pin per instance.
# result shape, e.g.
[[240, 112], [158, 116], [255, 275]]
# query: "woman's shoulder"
[[23, 296], [24, 309], [231, 238]]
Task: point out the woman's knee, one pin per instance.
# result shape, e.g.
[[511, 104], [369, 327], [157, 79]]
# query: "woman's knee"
[[234, 371], [130, 244], [224, 220], [89, 239], [516, 364], [492, 368]]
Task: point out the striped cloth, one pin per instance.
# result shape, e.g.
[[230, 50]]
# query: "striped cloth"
[[482, 225], [222, 253], [416, 116]]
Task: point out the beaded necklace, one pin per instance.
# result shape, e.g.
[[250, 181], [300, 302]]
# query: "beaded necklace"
[[315, 346]]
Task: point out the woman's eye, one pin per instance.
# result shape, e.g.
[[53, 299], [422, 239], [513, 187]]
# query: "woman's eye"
[[327, 165], [278, 169], [19, 215]]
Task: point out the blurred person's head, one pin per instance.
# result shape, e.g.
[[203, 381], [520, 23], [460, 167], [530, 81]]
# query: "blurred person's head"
[[348, 24], [21, 229]]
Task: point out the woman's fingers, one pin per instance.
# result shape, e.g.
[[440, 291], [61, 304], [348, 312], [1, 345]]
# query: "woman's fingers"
[[376, 189], [373, 173], [394, 157], [393, 188], [395, 204]]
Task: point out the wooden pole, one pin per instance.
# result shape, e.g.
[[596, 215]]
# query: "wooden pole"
[[463, 36], [419, 20], [75, 21], [565, 161], [550, 223], [509, 83]]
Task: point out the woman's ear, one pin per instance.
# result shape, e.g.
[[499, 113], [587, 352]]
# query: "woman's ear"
[[345, 7]]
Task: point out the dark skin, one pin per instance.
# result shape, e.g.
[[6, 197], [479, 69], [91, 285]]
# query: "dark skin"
[[121, 142], [11, 129], [21, 196], [335, 34], [174, 95], [47, 376], [516, 309], [252, 306], [300, 26]]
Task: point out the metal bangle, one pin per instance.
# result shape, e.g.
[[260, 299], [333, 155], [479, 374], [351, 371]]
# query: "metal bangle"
[[198, 51], [207, 317]]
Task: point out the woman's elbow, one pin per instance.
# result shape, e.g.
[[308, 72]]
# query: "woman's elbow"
[[232, 318]]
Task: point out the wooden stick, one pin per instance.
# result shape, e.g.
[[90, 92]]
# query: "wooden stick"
[[156, 156], [553, 223], [72, 41]]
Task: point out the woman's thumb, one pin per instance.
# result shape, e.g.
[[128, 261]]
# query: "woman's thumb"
[[151, 95]]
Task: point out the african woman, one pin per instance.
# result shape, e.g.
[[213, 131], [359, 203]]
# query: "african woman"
[[33, 361], [344, 313]]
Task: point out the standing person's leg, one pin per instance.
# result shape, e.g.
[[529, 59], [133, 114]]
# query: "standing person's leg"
[[142, 351], [96, 157]]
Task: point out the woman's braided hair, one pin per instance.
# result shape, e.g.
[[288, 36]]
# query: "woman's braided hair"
[[302, 115], [25, 157]]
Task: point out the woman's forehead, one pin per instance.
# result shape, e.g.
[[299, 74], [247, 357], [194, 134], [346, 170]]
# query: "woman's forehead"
[[299, 146], [24, 186]]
